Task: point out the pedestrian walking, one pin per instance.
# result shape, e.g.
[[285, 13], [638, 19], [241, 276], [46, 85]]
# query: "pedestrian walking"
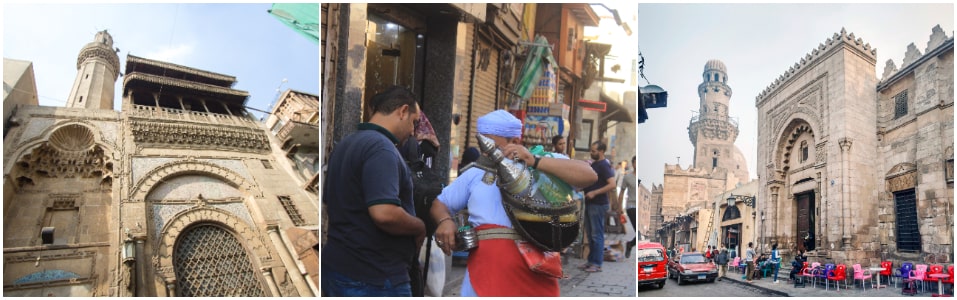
[[596, 205], [373, 235], [775, 260], [496, 267], [628, 187], [750, 258], [722, 261]]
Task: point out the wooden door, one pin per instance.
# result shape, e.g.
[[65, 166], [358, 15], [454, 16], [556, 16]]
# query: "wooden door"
[[805, 221]]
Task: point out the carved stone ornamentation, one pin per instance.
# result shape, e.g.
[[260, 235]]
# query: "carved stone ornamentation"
[[199, 136], [902, 182], [821, 152], [845, 144], [69, 153], [100, 52]]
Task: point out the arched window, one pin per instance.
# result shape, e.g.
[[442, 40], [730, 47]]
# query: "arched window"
[[210, 262], [731, 213], [716, 77], [803, 151]]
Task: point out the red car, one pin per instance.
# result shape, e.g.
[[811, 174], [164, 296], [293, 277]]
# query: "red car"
[[692, 266], [652, 264]]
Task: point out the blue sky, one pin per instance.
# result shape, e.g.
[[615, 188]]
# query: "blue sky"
[[241, 40], [757, 43]]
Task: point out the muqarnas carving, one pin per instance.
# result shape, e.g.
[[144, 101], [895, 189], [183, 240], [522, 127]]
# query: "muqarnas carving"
[[70, 152]]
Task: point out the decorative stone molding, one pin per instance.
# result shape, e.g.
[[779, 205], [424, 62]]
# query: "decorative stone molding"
[[937, 38], [889, 68], [807, 103], [838, 40], [150, 180], [712, 129], [102, 52], [193, 136], [795, 129], [901, 176], [820, 152], [64, 201], [845, 144], [163, 213], [50, 160], [31, 257], [911, 55]]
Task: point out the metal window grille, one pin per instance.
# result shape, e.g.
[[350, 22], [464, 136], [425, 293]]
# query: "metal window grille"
[[266, 164], [905, 208], [210, 262], [900, 104], [291, 210]]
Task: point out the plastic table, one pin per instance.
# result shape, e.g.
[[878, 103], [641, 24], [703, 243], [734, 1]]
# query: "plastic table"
[[877, 270], [940, 281]]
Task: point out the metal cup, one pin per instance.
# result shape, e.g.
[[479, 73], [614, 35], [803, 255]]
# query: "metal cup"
[[466, 238]]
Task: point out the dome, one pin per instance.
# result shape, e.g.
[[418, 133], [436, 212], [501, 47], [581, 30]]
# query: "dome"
[[715, 64]]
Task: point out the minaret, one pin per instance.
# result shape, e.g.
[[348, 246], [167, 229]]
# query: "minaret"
[[712, 132], [97, 69]]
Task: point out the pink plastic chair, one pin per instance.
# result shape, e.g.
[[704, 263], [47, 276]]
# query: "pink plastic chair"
[[734, 264], [862, 275], [918, 274]]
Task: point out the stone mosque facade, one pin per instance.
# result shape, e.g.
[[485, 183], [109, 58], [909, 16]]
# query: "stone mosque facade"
[[718, 164], [181, 193], [859, 170]]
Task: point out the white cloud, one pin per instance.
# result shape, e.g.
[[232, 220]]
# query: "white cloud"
[[176, 53]]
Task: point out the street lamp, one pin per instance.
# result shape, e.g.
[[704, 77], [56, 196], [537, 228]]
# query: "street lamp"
[[748, 200]]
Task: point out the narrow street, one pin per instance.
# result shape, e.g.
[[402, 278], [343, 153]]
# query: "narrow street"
[[724, 288]]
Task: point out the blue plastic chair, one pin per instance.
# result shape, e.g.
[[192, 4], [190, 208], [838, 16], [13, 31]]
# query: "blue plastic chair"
[[903, 272], [822, 275]]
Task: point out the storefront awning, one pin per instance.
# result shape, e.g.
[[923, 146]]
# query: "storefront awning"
[[615, 111]]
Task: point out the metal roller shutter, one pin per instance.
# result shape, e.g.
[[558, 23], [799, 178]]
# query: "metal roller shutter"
[[485, 96]]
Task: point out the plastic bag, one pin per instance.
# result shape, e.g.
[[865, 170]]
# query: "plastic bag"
[[435, 280]]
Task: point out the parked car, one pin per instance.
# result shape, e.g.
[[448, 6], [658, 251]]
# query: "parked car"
[[652, 264], [692, 266]]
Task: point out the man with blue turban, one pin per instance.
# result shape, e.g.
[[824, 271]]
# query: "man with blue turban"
[[495, 267]]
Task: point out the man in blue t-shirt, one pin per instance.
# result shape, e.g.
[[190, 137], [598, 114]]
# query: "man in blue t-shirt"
[[596, 204], [373, 232]]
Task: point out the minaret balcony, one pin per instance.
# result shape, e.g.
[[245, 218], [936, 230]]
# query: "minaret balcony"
[[728, 119]]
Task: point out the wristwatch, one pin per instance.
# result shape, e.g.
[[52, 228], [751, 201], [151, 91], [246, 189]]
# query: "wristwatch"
[[537, 159]]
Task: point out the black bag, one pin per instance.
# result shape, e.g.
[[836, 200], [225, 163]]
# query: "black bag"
[[415, 279]]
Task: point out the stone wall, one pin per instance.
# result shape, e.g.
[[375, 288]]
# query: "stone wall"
[[916, 148]]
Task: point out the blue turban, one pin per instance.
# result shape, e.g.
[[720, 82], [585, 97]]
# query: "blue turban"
[[500, 123]]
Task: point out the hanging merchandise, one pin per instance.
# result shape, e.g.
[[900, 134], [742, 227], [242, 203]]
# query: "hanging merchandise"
[[534, 68], [544, 93]]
